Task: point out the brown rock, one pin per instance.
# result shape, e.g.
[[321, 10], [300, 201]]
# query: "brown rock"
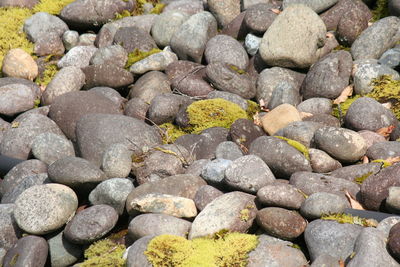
[[279, 118], [107, 75], [19, 64]]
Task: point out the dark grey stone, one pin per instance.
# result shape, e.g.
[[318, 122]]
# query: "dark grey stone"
[[62, 252], [136, 256], [205, 195], [384, 150], [9, 230], [29, 251], [280, 195], [228, 150], [322, 203], [49, 147]]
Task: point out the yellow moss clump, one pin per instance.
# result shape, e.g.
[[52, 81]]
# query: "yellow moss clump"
[[230, 249], [218, 112], [342, 47], [53, 7], [252, 109], [344, 107], [172, 132], [125, 13], [138, 55], [157, 6], [104, 253], [48, 74], [299, 146], [387, 90], [384, 163], [362, 178], [348, 218]]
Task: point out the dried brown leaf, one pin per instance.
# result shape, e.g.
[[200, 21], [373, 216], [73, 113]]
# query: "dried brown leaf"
[[276, 11], [365, 159], [348, 91], [304, 115], [393, 160], [341, 263], [353, 203], [386, 131]]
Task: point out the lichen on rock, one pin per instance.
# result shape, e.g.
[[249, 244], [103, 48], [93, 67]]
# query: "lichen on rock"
[[104, 253], [138, 55]]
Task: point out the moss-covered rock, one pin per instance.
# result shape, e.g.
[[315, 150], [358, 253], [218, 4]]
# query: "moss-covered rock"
[[348, 218], [138, 55], [47, 75], [223, 249]]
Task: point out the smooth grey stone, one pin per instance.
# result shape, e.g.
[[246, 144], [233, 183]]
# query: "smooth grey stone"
[[322, 203], [316, 5], [384, 150], [230, 97], [42, 209], [112, 192], [91, 224], [249, 174], [300, 131], [70, 39], [393, 200], [111, 94], [352, 172], [15, 98], [321, 162], [78, 56], [165, 25], [136, 256], [214, 171], [376, 39], [224, 11], [49, 147], [236, 211], [280, 195], [158, 61], [9, 230], [117, 161], [41, 24], [196, 167], [252, 43], [157, 224], [316, 105], [366, 73], [164, 107], [87, 39], [284, 93], [189, 41], [370, 250], [331, 238], [62, 252], [228, 150], [113, 54], [205, 195], [108, 75], [325, 260], [187, 6], [150, 85], [390, 58], [29, 251], [386, 224], [33, 86]]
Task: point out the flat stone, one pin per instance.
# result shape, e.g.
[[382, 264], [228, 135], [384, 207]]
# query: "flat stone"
[[62, 252], [150, 85], [49, 147], [205, 195], [384, 150], [78, 56], [224, 11], [108, 75], [29, 251], [15, 98], [41, 25], [280, 195], [117, 161], [228, 150]]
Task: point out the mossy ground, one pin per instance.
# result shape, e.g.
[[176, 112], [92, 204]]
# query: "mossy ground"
[[228, 249], [47, 75]]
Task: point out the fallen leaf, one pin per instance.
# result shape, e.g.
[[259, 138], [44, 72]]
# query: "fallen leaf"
[[257, 120], [386, 131], [348, 91], [341, 263], [393, 160], [353, 203], [15, 124], [304, 115], [263, 105], [387, 105], [365, 159], [276, 11]]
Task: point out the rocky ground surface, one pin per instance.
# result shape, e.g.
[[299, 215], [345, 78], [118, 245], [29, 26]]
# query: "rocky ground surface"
[[147, 129]]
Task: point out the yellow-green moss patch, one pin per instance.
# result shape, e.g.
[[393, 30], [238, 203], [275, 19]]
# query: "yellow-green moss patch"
[[53, 7], [47, 75], [380, 10], [361, 179], [172, 132], [384, 163], [138, 55], [348, 218], [157, 7], [339, 111], [230, 250], [342, 47], [387, 90], [104, 253], [299, 146], [252, 109]]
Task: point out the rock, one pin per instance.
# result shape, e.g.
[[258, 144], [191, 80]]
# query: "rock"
[[157, 224], [236, 212], [368, 114], [87, 39], [33, 86], [90, 14], [279, 118], [371, 137], [76, 173], [68, 79], [67, 109], [392, 202], [236, 28], [234, 98], [375, 189], [164, 108], [342, 144], [18, 3], [228, 150], [40, 25], [136, 256], [150, 85], [223, 48], [251, 44], [9, 231], [214, 171], [322, 203], [324, 119], [317, 105], [316, 5], [108, 75], [29, 251], [321, 162], [249, 174], [190, 39], [111, 94], [70, 39], [62, 252], [157, 61], [391, 58], [370, 249], [78, 56], [259, 17], [376, 39], [386, 224], [17, 142], [112, 192], [393, 242], [224, 11], [166, 204], [19, 64], [329, 76], [49, 147], [117, 161], [51, 45], [384, 150], [366, 73], [91, 224], [132, 38], [205, 195], [331, 238], [165, 25], [300, 131], [183, 185], [243, 132], [310, 183], [187, 6], [325, 260], [280, 195], [15, 98], [281, 223], [296, 48], [284, 94], [230, 78], [113, 54], [42, 209], [136, 108]]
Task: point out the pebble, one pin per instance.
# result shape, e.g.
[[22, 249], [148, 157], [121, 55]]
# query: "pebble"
[[322, 203], [78, 56], [280, 195], [49, 147], [157, 61], [19, 64], [117, 161], [228, 150], [62, 252], [214, 171], [30, 250], [166, 24]]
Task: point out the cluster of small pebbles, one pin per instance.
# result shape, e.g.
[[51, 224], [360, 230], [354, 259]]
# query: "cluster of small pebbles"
[[93, 160]]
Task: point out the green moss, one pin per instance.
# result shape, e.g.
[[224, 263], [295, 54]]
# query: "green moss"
[[140, 3], [361, 179], [252, 109], [51, 6], [104, 253], [47, 75], [380, 10], [348, 218], [237, 69], [299, 146], [138, 55], [339, 111], [387, 90], [123, 14], [218, 112], [14, 259], [157, 9], [296, 246], [172, 132], [385, 163], [244, 215], [342, 47], [230, 250]]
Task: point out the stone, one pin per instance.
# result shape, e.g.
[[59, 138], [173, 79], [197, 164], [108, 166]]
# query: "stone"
[[62, 252], [331, 238], [376, 39], [164, 108], [329, 76], [243, 132], [132, 38], [249, 174], [113, 54], [150, 85], [279, 118], [392, 202], [296, 48], [322, 203], [391, 58], [251, 44], [157, 61], [136, 256], [316, 105], [166, 24], [342, 144], [91, 224], [259, 17], [43, 209], [18, 3], [393, 241], [300, 131], [190, 39], [236, 28], [111, 94], [87, 39], [384, 150], [29, 251], [236, 212], [19, 64], [386, 224], [17, 142], [321, 162], [281, 223], [108, 75], [317, 5], [40, 25], [280, 195], [78, 56], [371, 137], [9, 230], [112, 192], [67, 109], [117, 161], [214, 171], [234, 98], [49, 147], [15, 98], [228, 150], [136, 108], [68, 79], [224, 11], [50, 45], [325, 260], [223, 48], [284, 94], [205, 195], [70, 39], [90, 14], [324, 119]]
